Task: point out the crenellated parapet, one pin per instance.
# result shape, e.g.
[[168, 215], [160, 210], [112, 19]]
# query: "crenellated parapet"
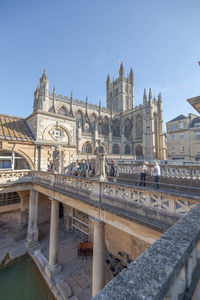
[[80, 103]]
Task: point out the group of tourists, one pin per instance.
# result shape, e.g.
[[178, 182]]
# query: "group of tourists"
[[155, 171], [86, 168], [83, 168]]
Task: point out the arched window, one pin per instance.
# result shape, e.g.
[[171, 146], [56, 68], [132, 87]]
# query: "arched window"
[[86, 148], [105, 126], [139, 127], [127, 149], [138, 152], [116, 128], [63, 111], [127, 128], [116, 149], [93, 120], [52, 109], [12, 161], [79, 119]]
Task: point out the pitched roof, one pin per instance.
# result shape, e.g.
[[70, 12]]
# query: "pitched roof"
[[180, 117], [14, 128]]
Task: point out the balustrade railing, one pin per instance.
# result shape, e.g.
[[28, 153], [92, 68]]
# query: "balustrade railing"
[[175, 171], [109, 192], [13, 176], [174, 203]]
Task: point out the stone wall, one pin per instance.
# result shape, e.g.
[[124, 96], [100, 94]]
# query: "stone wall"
[[117, 240], [44, 209]]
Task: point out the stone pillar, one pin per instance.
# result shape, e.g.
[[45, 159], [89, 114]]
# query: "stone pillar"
[[32, 235], [98, 266], [53, 267], [67, 216]]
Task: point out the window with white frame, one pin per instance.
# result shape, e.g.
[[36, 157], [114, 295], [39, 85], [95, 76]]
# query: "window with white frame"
[[197, 136], [181, 125], [173, 137]]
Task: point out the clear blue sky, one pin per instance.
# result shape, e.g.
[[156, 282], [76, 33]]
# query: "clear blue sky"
[[80, 41]]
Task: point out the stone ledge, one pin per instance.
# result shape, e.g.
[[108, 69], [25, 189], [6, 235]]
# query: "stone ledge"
[[152, 274]]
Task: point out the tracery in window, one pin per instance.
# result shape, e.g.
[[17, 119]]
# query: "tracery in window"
[[116, 149], [139, 127], [116, 128], [63, 111], [79, 119]]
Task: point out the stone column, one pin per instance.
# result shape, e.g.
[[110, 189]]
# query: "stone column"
[[68, 213], [32, 235], [98, 266], [53, 267]]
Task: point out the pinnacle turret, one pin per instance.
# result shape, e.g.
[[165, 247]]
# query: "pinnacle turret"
[[144, 97], [159, 97], [71, 106], [108, 80], [44, 76], [150, 95], [121, 70], [131, 76], [86, 104]]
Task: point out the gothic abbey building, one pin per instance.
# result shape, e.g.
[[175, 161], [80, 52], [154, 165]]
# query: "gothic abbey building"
[[75, 126]]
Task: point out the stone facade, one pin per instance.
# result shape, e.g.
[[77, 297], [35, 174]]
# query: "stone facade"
[[183, 138], [122, 127]]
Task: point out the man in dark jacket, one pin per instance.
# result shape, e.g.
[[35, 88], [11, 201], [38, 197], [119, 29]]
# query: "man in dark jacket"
[[113, 170]]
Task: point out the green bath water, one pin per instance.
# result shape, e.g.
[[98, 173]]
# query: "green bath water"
[[23, 281]]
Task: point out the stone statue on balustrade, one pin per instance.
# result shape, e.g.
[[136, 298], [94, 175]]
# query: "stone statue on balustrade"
[[57, 160], [100, 162]]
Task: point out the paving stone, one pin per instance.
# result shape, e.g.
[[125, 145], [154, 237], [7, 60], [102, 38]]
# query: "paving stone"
[[64, 289]]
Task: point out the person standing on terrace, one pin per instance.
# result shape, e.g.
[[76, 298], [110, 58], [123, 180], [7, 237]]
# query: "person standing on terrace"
[[143, 173], [156, 175]]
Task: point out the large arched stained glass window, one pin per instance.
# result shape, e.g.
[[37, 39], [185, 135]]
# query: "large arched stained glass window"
[[116, 149], [138, 152], [63, 111], [105, 126], [87, 148], [93, 120], [127, 129], [116, 128], [79, 119], [139, 127], [127, 149]]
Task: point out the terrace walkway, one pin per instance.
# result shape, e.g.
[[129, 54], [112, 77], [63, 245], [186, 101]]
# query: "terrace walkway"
[[143, 212]]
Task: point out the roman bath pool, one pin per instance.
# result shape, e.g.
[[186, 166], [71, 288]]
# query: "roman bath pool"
[[22, 281]]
